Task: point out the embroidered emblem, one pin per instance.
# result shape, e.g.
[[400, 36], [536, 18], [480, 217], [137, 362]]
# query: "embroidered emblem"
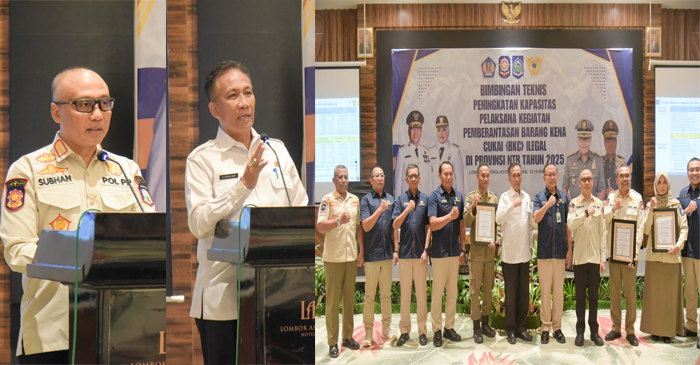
[[324, 208], [113, 168], [60, 148], [52, 169], [60, 223], [143, 189], [46, 157], [14, 198]]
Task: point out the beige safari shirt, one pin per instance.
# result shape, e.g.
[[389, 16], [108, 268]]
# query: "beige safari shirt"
[[479, 253], [214, 192], [340, 244], [632, 210], [681, 228], [590, 244], [49, 189]]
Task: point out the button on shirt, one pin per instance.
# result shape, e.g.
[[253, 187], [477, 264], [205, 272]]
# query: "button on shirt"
[[632, 210], [49, 189], [340, 244], [552, 242], [412, 235], [214, 192], [379, 241], [516, 227], [446, 240], [589, 232], [479, 253], [692, 245]]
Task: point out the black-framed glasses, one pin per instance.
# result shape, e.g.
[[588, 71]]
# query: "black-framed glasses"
[[413, 177], [87, 105], [586, 179], [694, 169], [378, 176]]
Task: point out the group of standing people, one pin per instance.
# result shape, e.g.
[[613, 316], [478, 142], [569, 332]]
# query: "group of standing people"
[[413, 227]]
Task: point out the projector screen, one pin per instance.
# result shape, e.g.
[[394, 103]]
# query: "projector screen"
[[337, 125], [677, 121]]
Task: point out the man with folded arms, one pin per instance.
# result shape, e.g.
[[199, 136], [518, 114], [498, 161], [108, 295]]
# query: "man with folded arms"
[[586, 221], [553, 250], [514, 214], [627, 204], [339, 219], [448, 251], [376, 208], [481, 257], [411, 214]]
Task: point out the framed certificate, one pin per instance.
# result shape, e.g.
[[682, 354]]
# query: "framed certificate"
[[664, 230], [623, 242], [485, 224]]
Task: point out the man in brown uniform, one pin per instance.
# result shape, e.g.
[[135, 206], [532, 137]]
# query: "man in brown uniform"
[[481, 257]]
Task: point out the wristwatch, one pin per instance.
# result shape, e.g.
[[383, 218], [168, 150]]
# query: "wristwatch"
[[337, 220], [586, 211], [464, 252]]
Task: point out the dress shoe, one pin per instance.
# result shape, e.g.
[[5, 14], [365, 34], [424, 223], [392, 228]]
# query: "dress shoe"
[[579, 340], [511, 338], [632, 339], [544, 338], [486, 330], [333, 351], [451, 335], [367, 343], [423, 340], [437, 339], [402, 339], [523, 336], [612, 335], [559, 336], [698, 345], [477, 332], [666, 339], [350, 343], [391, 338], [596, 339], [689, 333], [655, 337]]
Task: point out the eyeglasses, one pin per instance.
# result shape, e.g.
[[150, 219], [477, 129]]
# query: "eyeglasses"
[[87, 105], [413, 177], [551, 175], [586, 179], [696, 169], [378, 176]]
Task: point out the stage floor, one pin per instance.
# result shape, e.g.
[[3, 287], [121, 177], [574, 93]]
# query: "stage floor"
[[498, 351]]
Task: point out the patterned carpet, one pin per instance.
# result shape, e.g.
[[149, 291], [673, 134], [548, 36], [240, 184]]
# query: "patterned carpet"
[[498, 351]]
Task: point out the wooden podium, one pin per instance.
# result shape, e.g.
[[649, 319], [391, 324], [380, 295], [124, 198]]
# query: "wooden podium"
[[121, 279], [277, 309]]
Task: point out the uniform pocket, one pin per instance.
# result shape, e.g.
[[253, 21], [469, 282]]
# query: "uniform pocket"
[[119, 201], [59, 199]]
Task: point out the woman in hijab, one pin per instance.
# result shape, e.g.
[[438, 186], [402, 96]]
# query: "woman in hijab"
[[662, 305]]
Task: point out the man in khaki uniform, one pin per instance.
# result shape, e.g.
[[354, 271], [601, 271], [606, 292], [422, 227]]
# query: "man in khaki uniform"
[[586, 221], [481, 257], [581, 160], [611, 160], [624, 203], [49, 189], [339, 219]]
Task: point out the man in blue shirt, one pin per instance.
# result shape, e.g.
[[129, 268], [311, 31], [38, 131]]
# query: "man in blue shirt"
[[411, 214], [375, 216], [448, 251], [553, 248], [690, 255]]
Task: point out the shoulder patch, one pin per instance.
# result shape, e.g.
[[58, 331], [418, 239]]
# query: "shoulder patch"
[[324, 208], [571, 154], [14, 197], [143, 189], [597, 154], [60, 148], [46, 157], [456, 145]]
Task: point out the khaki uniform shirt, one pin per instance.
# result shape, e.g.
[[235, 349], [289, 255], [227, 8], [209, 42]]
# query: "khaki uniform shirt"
[[214, 192], [572, 170], [479, 253], [589, 232], [681, 228], [49, 189], [340, 244], [632, 210]]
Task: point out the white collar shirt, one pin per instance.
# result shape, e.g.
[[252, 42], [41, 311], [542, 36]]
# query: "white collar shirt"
[[516, 227]]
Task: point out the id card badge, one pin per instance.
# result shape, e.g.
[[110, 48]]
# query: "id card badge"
[[558, 217]]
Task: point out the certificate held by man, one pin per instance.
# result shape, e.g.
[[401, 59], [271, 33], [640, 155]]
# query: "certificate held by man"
[[485, 224]]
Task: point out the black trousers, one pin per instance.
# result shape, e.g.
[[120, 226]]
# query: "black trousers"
[[517, 278], [218, 341], [54, 357], [586, 276]]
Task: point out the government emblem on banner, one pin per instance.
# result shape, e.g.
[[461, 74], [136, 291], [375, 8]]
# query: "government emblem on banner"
[[518, 66], [504, 66], [533, 65], [511, 12], [488, 67]]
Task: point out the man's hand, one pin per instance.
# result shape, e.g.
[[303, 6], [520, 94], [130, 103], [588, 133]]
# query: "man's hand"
[[454, 214], [423, 257], [383, 205], [673, 250], [396, 258], [591, 210], [462, 258], [602, 267], [344, 217], [569, 258], [551, 201], [252, 170], [360, 259], [477, 199], [492, 245], [411, 206], [652, 204], [691, 207], [617, 206], [631, 265], [516, 201]]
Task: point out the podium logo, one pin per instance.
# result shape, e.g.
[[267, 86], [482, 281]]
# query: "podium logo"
[[308, 312]]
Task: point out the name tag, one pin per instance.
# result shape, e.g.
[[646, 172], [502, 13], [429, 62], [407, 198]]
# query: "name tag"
[[558, 217], [54, 180], [228, 176]]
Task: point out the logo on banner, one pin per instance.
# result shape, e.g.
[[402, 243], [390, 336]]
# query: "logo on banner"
[[533, 65], [488, 67], [504, 66], [518, 66]]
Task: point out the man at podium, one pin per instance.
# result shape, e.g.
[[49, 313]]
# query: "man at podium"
[[222, 176], [49, 189]]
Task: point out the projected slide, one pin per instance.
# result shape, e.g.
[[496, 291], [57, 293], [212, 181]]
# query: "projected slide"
[[337, 137], [677, 132]]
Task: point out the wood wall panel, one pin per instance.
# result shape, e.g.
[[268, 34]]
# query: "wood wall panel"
[[336, 39], [5, 344], [681, 41]]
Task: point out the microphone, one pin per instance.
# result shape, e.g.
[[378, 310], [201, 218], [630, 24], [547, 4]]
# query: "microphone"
[[104, 157], [266, 139]]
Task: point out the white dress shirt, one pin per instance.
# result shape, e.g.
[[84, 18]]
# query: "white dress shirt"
[[214, 192], [516, 227]]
